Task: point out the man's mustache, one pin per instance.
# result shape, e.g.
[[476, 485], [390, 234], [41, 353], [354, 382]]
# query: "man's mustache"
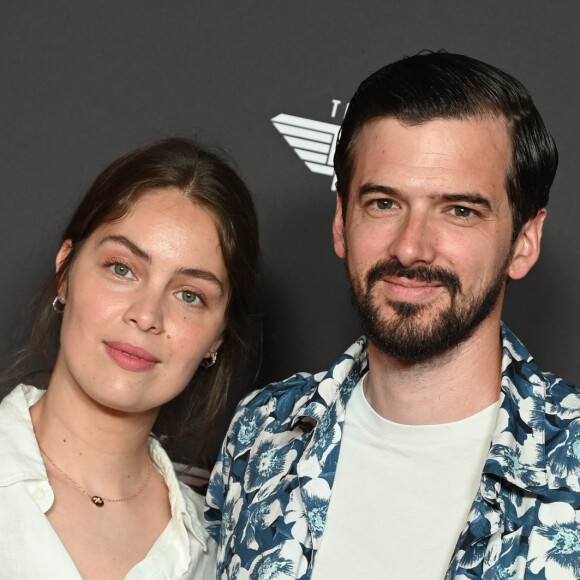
[[393, 267]]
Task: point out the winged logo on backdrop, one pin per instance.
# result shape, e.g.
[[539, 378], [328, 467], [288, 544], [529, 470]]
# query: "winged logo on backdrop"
[[313, 141]]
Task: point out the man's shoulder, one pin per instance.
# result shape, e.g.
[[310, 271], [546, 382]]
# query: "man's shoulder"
[[301, 394], [295, 387], [561, 435], [528, 381], [562, 399], [274, 407], [304, 384]]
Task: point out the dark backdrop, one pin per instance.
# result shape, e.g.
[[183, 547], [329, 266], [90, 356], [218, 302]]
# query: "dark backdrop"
[[84, 82]]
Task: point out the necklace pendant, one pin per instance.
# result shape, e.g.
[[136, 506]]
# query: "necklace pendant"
[[98, 501]]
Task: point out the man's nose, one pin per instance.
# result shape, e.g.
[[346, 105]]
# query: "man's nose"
[[414, 242]]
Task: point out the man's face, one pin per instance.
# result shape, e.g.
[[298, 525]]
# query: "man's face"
[[427, 235]]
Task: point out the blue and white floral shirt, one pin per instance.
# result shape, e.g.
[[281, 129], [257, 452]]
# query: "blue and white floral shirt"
[[270, 490]]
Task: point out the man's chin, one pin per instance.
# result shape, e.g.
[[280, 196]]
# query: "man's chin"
[[412, 333], [410, 344], [415, 312]]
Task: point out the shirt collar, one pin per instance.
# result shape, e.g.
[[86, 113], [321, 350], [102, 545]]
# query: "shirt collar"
[[336, 383], [518, 452], [21, 459], [179, 505]]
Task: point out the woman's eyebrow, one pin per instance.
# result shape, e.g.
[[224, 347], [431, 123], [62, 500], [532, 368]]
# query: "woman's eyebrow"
[[135, 249], [202, 274], [131, 246]]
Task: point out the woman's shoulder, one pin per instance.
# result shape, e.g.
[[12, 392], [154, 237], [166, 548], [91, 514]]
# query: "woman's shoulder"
[[185, 502], [187, 524], [194, 501], [195, 506], [15, 422], [21, 398]]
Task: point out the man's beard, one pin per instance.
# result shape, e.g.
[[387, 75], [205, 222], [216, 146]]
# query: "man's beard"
[[405, 337]]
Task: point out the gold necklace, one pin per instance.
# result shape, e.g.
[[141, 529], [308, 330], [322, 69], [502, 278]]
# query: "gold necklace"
[[99, 500]]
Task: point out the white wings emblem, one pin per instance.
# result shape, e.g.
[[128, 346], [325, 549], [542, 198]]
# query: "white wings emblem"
[[313, 141]]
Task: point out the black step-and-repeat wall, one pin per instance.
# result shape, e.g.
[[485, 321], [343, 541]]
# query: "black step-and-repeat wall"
[[84, 82]]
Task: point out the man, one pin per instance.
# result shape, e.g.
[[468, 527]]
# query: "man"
[[435, 447]]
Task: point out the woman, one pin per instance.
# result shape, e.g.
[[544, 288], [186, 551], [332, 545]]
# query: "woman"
[[155, 279]]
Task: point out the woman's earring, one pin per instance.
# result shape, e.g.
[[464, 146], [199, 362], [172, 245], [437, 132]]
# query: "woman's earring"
[[209, 361], [55, 305]]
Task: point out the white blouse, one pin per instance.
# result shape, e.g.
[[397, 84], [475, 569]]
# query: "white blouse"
[[29, 546]]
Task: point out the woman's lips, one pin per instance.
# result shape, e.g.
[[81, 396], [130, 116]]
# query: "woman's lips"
[[130, 357]]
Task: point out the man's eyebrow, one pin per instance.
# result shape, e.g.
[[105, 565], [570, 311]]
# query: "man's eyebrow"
[[468, 197], [367, 188], [131, 246]]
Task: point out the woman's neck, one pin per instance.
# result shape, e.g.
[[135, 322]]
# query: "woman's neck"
[[98, 448]]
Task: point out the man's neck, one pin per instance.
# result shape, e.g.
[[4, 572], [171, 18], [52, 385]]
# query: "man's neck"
[[448, 388]]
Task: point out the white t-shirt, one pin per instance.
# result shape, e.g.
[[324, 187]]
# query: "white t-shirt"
[[29, 546], [401, 494]]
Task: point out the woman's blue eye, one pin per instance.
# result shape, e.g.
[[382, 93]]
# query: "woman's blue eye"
[[121, 270], [189, 297]]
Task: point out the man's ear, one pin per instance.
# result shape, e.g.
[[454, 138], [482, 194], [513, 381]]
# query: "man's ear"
[[526, 250], [338, 229], [60, 258]]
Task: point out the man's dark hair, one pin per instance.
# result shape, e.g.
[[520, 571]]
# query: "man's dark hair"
[[441, 85]]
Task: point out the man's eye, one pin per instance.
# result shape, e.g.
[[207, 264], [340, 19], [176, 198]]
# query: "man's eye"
[[190, 297], [462, 212], [121, 270], [384, 203]]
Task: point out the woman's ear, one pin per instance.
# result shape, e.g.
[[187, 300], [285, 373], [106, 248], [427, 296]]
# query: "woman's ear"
[[215, 346], [62, 255], [526, 249]]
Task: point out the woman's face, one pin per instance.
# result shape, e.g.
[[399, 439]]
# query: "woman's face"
[[145, 302]]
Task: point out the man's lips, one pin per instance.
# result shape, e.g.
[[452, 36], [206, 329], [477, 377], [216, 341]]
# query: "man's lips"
[[395, 276], [130, 357], [401, 289], [411, 282]]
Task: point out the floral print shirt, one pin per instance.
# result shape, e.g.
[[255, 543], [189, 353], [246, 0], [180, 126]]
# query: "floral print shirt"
[[270, 490]]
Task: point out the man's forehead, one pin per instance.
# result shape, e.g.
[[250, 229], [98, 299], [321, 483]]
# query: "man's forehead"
[[470, 120], [480, 139]]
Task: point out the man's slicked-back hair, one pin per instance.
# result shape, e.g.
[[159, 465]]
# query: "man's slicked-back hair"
[[441, 85]]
